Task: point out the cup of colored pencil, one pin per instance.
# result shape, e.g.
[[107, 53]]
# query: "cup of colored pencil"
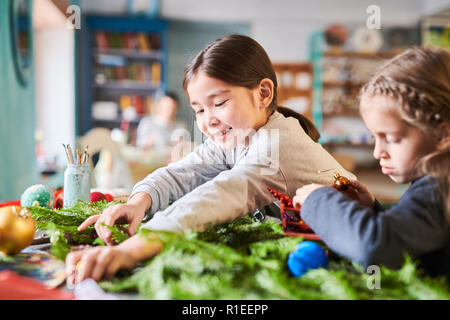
[[77, 177], [78, 157]]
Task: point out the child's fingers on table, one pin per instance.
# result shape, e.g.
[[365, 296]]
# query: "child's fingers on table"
[[103, 232], [72, 259], [99, 227], [84, 267], [112, 268], [134, 225], [108, 218], [111, 220], [102, 261], [115, 213], [86, 223]]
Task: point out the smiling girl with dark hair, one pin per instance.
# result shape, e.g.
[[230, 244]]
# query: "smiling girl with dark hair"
[[231, 87]]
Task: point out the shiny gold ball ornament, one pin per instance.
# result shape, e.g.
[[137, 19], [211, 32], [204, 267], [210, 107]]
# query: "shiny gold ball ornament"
[[17, 229], [341, 183]]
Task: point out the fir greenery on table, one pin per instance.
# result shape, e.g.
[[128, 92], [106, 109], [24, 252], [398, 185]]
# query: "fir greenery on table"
[[62, 224], [243, 259]]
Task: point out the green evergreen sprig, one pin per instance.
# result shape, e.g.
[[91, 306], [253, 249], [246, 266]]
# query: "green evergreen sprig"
[[214, 265], [62, 226], [238, 260]]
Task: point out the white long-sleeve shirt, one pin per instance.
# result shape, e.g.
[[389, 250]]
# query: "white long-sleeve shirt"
[[212, 185]]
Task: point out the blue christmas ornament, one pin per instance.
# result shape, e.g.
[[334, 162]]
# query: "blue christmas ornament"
[[37, 194], [306, 255]]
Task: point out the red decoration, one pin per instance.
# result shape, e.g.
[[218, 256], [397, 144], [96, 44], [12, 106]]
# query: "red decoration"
[[292, 223], [109, 197], [10, 203], [58, 192], [16, 287], [97, 196], [59, 200]]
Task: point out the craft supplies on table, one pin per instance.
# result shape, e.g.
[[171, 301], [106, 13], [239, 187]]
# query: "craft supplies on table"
[[77, 177]]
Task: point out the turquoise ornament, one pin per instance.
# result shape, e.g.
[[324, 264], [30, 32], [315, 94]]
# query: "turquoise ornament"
[[307, 255], [37, 193]]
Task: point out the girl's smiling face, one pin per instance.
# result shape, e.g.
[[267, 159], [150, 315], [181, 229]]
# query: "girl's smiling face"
[[399, 146], [225, 113]]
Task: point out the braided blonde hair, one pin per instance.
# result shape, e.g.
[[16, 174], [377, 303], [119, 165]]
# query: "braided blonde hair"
[[419, 79]]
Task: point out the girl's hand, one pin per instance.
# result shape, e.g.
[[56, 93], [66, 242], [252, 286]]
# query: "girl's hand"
[[360, 193], [302, 193], [132, 212], [104, 261], [96, 263]]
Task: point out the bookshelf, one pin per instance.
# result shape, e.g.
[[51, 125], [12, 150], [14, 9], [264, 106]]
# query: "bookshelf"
[[123, 69], [295, 86], [339, 73], [343, 74], [338, 76]]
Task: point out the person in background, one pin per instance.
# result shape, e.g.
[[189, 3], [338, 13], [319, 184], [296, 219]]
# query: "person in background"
[[231, 86], [406, 106], [156, 130]]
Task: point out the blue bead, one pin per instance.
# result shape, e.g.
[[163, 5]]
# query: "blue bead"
[[306, 255]]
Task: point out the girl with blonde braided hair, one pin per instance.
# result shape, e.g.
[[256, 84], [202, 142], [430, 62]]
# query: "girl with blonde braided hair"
[[406, 106]]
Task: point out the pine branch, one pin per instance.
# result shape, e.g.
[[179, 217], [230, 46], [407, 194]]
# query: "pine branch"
[[238, 260], [63, 224], [247, 260], [44, 215]]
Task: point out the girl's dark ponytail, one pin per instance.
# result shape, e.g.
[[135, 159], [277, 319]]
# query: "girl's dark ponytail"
[[307, 125]]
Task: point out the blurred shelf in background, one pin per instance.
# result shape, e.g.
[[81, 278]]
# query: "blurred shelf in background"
[[126, 85], [130, 53], [295, 86], [343, 59], [377, 55], [123, 69]]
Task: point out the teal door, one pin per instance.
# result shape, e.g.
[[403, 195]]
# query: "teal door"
[[17, 147]]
